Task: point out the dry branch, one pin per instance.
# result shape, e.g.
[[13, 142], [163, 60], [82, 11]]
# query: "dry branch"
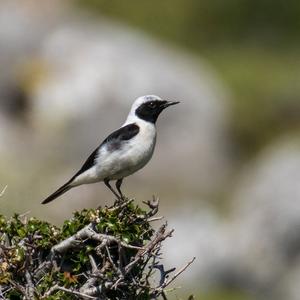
[[108, 253]]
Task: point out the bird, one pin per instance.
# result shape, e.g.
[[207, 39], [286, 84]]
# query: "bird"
[[124, 151]]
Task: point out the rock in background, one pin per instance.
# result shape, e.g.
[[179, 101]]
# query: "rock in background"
[[69, 79], [79, 77], [255, 248]]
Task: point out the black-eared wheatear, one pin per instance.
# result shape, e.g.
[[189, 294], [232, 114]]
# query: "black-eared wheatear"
[[124, 151]]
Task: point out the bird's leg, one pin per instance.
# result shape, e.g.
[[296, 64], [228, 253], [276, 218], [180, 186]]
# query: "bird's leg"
[[118, 186], [106, 181]]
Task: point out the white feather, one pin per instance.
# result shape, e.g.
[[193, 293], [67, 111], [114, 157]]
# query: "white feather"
[[132, 156]]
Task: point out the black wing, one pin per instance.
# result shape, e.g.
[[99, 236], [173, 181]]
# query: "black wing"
[[115, 139], [113, 142], [88, 163]]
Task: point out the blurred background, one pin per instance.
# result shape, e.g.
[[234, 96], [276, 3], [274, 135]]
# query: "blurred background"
[[227, 162]]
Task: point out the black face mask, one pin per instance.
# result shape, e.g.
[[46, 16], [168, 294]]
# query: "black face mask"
[[149, 111]]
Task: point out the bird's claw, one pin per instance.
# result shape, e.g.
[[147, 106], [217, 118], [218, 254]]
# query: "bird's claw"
[[120, 200]]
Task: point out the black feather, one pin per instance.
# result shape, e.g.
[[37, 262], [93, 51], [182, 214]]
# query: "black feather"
[[57, 193], [90, 162], [149, 111], [115, 139], [113, 142]]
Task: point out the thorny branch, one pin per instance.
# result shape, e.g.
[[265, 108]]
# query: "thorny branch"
[[114, 268]]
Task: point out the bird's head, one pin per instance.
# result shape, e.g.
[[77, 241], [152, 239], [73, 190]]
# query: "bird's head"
[[149, 107]]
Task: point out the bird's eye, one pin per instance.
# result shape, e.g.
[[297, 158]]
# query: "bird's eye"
[[152, 104]]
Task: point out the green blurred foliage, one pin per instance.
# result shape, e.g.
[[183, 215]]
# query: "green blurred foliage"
[[253, 44], [193, 22], [224, 295], [265, 102]]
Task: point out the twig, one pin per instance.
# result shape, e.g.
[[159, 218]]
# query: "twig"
[[93, 263], [29, 286], [94, 290], [163, 273], [50, 291], [91, 282], [25, 214], [42, 269], [122, 205], [160, 236], [155, 219], [115, 285], [17, 286], [88, 233], [60, 288], [165, 284], [3, 191], [77, 293], [164, 295], [153, 205], [111, 261]]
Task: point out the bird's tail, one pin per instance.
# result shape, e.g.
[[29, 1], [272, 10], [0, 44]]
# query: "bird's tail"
[[57, 193]]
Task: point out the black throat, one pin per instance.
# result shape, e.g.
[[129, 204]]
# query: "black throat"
[[150, 114]]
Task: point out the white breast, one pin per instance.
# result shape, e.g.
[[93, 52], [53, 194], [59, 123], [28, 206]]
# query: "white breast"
[[132, 156]]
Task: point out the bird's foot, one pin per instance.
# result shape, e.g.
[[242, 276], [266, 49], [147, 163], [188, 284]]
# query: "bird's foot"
[[119, 205], [120, 200]]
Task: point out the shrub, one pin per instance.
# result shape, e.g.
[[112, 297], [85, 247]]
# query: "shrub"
[[104, 253]]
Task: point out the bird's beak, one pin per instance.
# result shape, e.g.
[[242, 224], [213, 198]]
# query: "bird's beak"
[[169, 103]]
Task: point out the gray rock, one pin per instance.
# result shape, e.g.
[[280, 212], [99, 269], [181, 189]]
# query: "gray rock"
[[81, 76], [256, 247], [91, 80], [266, 214]]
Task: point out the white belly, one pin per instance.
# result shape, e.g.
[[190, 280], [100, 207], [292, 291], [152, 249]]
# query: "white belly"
[[131, 157]]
